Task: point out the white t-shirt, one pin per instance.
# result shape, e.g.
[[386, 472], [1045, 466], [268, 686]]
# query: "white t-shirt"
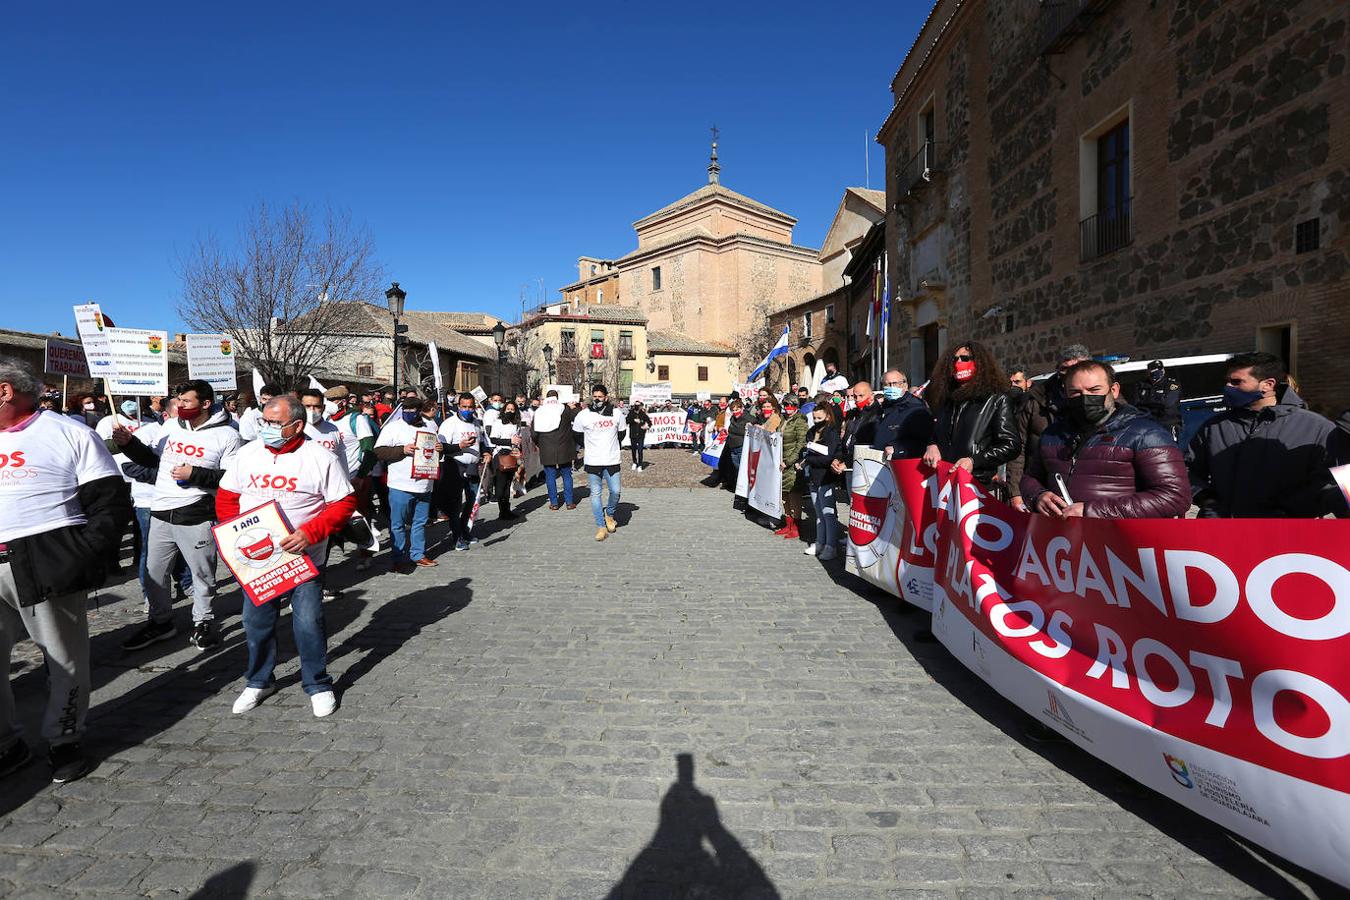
[[490, 416], [302, 482], [42, 466], [212, 446], [146, 431], [499, 436], [601, 445], [455, 429], [355, 429], [248, 423], [328, 436], [398, 433], [836, 382]]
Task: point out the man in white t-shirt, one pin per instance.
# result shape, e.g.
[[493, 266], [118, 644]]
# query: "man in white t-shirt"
[[833, 380], [63, 506], [602, 428], [310, 485], [466, 442], [409, 497], [147, 432]]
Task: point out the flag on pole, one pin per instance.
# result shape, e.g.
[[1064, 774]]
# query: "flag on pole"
[[779, 349], [885, 316], [314, 385], [258, 382]]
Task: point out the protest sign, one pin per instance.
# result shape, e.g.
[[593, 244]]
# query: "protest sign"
[[65, 358], [141, 358], [210, 357], [656, 392], [93, 331], [703, 395], [759, 478], [566, 393], [748, 390], [529, 453], [250, 545], [426, 461], [670, 427], [1203, 658], [479, 394], [714, 443]]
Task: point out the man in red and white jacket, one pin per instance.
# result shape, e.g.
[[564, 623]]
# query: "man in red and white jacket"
[[310, 485]]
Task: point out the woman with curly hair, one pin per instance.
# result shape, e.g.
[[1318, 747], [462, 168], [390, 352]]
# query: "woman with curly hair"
[[976, 426]]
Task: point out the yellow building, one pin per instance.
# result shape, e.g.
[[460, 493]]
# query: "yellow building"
[[692, 367]]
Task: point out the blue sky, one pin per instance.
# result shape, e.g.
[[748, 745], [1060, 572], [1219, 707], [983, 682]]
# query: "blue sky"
[[485, 147]]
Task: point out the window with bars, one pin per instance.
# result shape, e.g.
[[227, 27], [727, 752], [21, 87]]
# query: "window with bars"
[[626, 345], [1308, 236], [702, 373], [365, 370], [569, 343], [663, 373]]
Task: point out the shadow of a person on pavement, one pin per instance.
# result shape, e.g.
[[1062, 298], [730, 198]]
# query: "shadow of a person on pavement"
[[676, 862]]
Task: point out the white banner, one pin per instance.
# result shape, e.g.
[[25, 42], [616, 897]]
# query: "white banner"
[[748, 390], [94, 336], [666, 428], [759, 478], [141, 358], [656, 392], [703, 395], [65, 358], [436, 371], [566, 393], [877, 527], [210, 358]]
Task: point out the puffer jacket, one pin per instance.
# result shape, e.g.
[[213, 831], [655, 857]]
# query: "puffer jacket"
[[906, 425], [1268, 464], [984, 430], [794, 439], [1126, 468]]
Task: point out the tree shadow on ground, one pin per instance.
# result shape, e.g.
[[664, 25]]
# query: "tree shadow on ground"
[[676, 862], [1257, 867], [227, 884], [394, 624]]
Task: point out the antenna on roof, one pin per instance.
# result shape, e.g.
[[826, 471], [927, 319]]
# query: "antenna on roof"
[[714, 170]]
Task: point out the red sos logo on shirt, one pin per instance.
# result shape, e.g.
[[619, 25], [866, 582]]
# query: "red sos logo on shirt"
[[272, 482], [186, 450], [328, 445], [12, 460]]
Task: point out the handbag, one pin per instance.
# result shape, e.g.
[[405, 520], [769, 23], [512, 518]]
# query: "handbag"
[[507, 462]]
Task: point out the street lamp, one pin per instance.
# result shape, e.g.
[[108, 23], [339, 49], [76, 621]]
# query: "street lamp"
[[548, 361], [395, 297], [499, 337]]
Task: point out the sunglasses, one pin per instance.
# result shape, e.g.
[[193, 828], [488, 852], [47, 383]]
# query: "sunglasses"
[[964, 357]]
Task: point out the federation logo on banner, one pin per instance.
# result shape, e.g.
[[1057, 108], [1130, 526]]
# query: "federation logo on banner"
[[1181, 773]]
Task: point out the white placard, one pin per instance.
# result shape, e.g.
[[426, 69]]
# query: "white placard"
[[703, 395], [655, 392], [141, 358], [93, 332], [565, 392], [479, 394], [210, 358], [65, 358]]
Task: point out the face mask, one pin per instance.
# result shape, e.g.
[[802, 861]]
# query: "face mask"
[[818, 422], [737, 413], [130, 409], [187, 414], [836, 400], [597, 405], [1087, 409], [1016, 391], [766, 411], [270, 434], [466, 414], [410, 416], [892, 392], [1237, 398], [862, 401], [89, 407], [790, 410], [1156, 374], [721, 406], [496, 406], [964, 371]]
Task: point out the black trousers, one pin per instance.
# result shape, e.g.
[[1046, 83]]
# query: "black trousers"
[[502, 479], [459, 485], [638, 438]]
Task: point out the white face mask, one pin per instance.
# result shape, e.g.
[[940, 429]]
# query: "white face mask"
[[315, 416]]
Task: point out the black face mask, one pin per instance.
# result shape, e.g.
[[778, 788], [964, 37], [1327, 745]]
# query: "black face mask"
[[1086, 410], [598, 405]]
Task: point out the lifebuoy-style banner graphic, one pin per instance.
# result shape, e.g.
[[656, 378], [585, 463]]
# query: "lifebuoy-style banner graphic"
[[1205, 659], [760, 476]]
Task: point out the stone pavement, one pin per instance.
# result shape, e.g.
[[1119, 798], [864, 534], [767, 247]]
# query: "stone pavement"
[[691, 708]]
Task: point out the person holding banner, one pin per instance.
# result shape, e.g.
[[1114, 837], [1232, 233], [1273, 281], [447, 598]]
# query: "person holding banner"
[[904, 426], [192, 452], [975, 426], [795, 427], [733, 422], [309, 483], [552, 434], [602, 430], [409, 495], [818, 455], [468, 447], [63, 507]]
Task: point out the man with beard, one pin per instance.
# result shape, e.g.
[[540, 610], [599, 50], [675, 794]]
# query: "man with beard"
[[602, 428]]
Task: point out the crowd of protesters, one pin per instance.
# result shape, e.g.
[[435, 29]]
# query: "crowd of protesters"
[[1069, 444]]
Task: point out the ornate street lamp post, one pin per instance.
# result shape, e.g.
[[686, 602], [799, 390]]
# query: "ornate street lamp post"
[[499, 337], [548, 361], [395, 297]]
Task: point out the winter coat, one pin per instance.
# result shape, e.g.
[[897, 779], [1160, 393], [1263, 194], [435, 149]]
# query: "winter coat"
[[859, 428], [1269, 464], [794, 439], [558, 447], [905, 424], [816, 465], [983, 430], [638, 420], [1126, 468], [735, 431], [1039, 406]]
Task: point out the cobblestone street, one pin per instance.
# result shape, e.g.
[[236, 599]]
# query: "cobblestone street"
[[691, 708]]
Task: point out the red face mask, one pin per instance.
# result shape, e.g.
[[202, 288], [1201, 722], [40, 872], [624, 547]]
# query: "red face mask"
[[791, 410], [767, 411], [737, 413], [964, 371], [188, 413], [863, 401]]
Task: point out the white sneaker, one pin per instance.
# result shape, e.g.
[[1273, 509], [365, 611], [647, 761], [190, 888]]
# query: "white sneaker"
[[810, 550], [251, 697], [827, 553], [323, 704]]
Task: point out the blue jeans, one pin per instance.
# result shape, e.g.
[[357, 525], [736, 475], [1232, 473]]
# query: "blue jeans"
[[311, 640], [827, 525], [181, 573], [599, 511], [551, 474], [406, 510]]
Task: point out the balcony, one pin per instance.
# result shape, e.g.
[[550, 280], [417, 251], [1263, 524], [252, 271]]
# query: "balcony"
[[920, 170], [1106, 232], [1064, 20]]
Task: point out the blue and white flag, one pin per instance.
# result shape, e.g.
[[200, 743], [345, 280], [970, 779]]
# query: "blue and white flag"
[[779, 349]]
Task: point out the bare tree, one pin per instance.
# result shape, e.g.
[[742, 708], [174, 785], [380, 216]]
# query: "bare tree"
[[524, 354], [272, 291], [757, 340]]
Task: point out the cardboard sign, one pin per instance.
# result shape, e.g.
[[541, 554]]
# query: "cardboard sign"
[[141, 358], [426, 461], [210, 357], [479, 394], [93, 332], [65, 358], [250, 544]]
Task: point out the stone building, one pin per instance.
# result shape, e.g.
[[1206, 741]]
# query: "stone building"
[[1149, 177], [709, 266], [585, 344]]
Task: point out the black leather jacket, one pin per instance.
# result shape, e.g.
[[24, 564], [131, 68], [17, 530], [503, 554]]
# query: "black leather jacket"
[[984, 430]]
